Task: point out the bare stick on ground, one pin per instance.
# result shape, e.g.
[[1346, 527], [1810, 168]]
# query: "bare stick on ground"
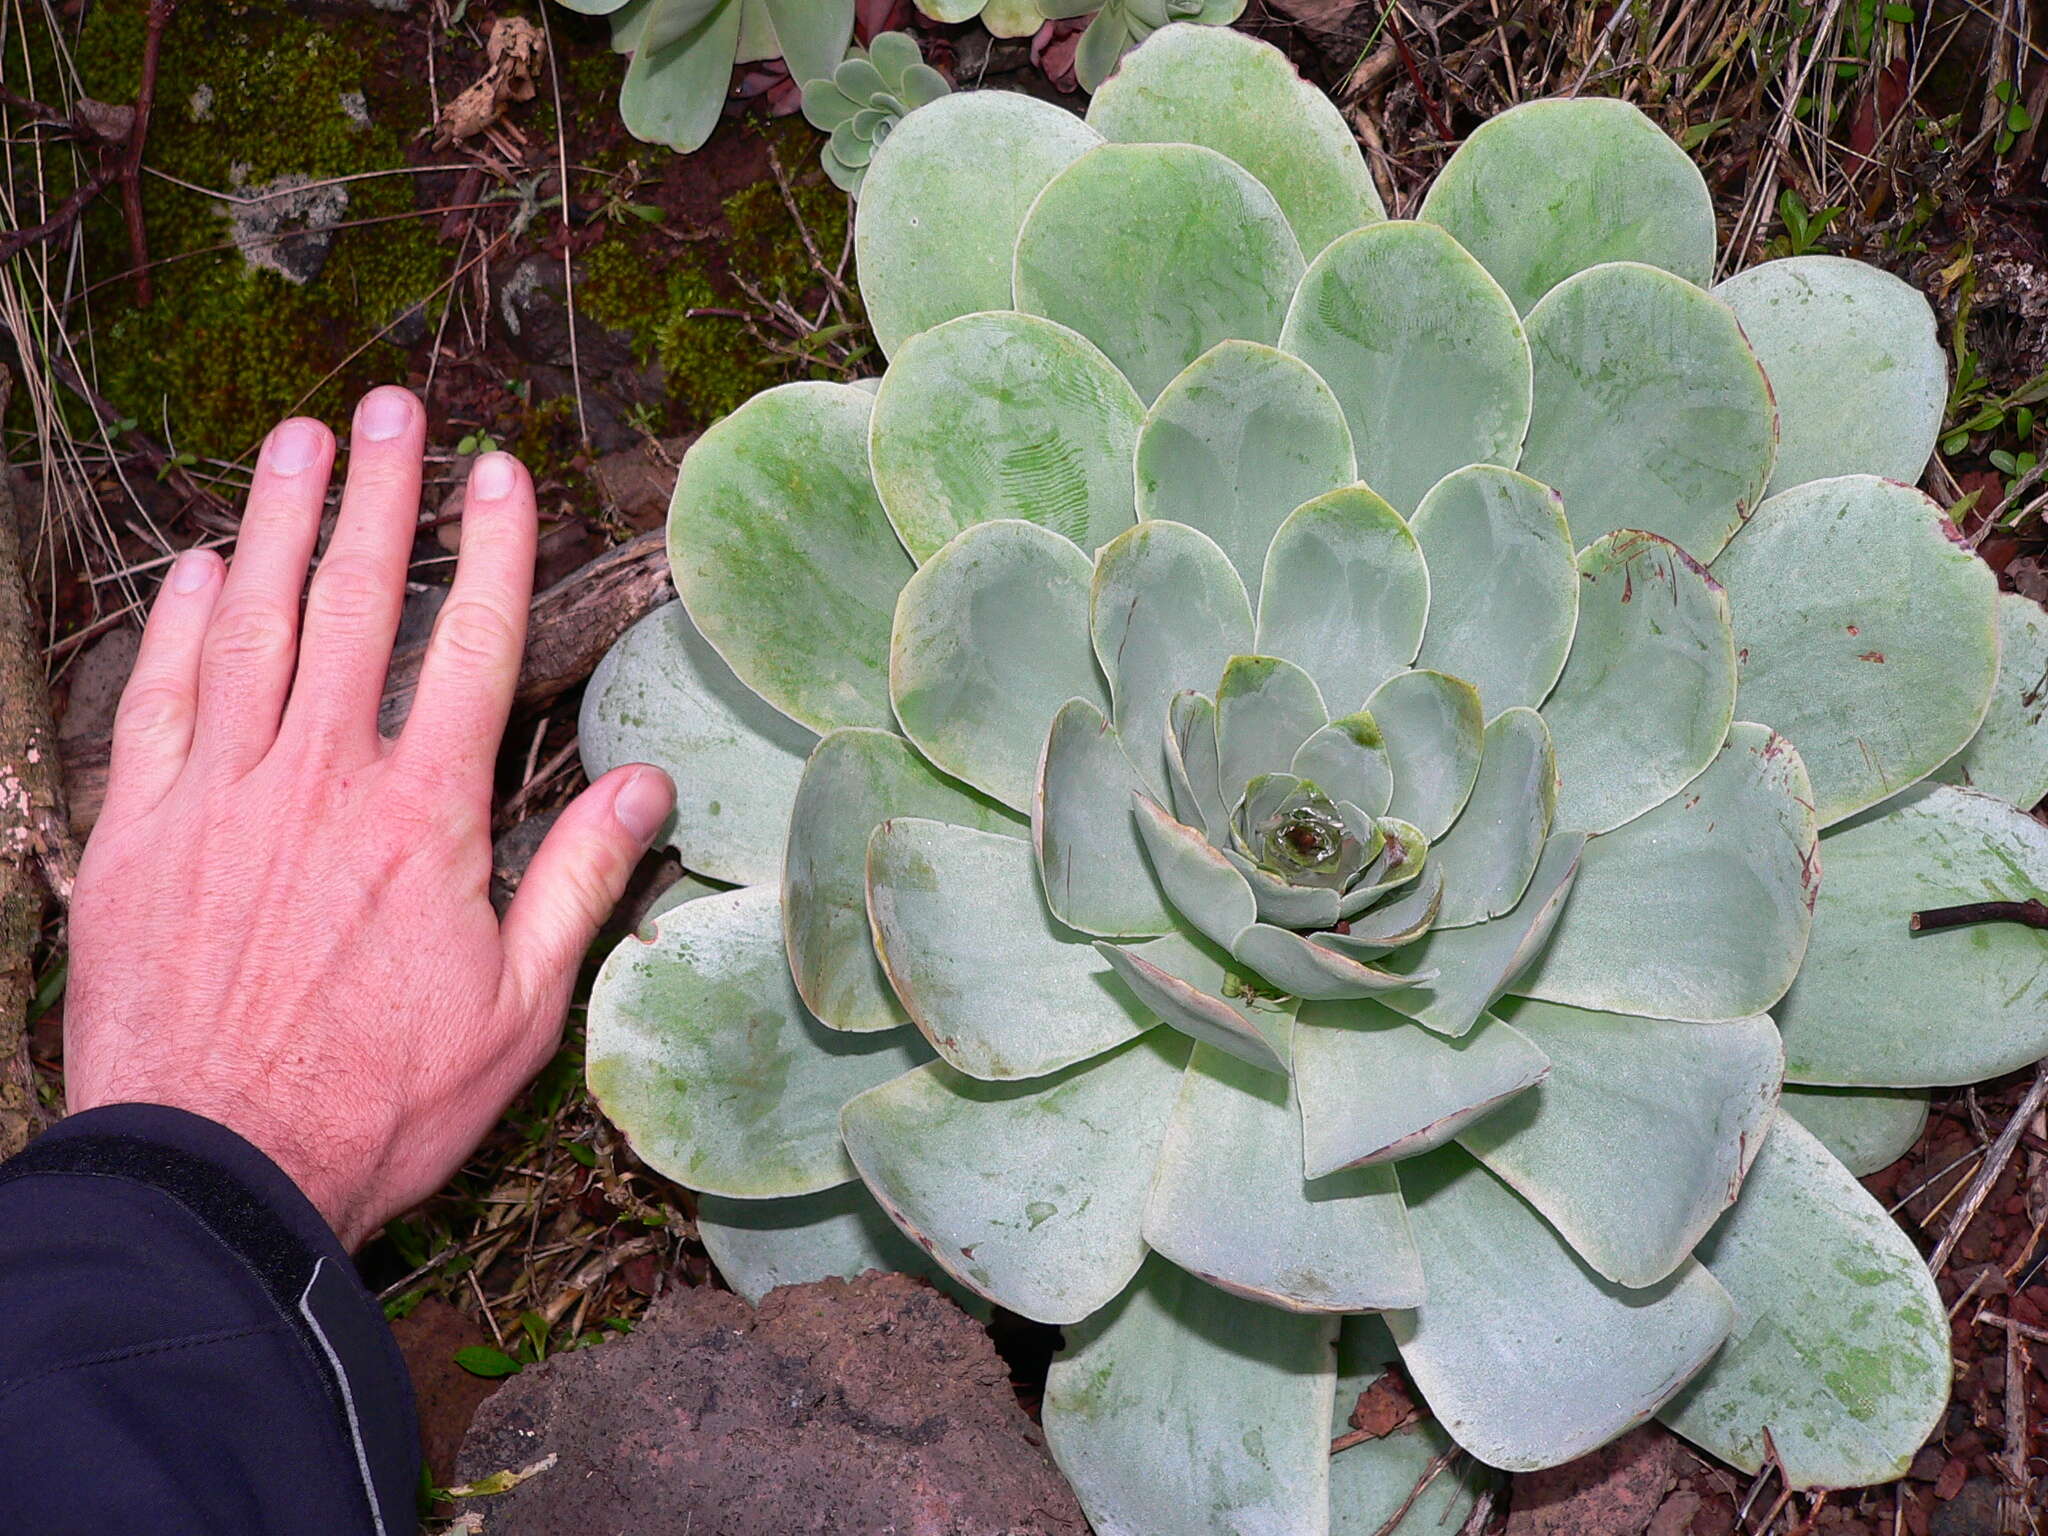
[[36, 858]]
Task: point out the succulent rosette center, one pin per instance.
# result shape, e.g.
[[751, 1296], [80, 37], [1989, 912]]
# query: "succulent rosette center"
[[1274, 772]]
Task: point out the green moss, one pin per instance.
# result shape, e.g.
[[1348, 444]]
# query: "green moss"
[[713, 363], [247, 93]]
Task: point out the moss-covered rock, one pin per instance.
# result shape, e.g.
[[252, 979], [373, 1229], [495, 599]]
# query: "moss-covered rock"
[[248, 93]]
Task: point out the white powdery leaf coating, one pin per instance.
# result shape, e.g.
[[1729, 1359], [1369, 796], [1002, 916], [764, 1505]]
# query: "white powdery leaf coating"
[[1699, 909], [1866, 631], [1156, 252], [2008, 757], [1854, 363], [943, 200], [1243, 98], [1840, 1359], [1879, 1006], [702, 1053], [1152, 1454], [1525, 1355], [662, 695]]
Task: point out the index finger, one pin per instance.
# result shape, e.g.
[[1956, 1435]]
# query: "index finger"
[[472, 663]]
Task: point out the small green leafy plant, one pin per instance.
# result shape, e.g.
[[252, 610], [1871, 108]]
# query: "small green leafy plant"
[[1302, 788], [684, 52]]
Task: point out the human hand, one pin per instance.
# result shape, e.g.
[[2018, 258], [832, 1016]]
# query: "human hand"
[[283, 920]]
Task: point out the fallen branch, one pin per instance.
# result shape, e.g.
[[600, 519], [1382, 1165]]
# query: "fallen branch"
[[2032, 913], [568, 629], [138, 137], [37, 860]]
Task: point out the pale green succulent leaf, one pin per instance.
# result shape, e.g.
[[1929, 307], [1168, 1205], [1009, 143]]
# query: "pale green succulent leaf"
[[1854, 362], [1549, 188], [1303, 968], [812, 34], [1651, 410], [1240, 437], [836, 1233], [785, 557], [1166, 613], [1435, 736], [1012, 18], [1281, 902], [627, 23], [1503, 586], [1867, 632], [1375, 1086], [662, 695], [1185, 985], [1266, 708], [1490, 852], [894, 54], [1423, 350], [1513, 1314], [593, 7], [1475, 965], [1879, 1006], [1375, 1481], [991, 637], [856, 780], [1003, 416], [998, 985], [1692, 1102], [1248, 1452], [1193, 769], [1086, 833], [1198, 881], [1841, 1348], [1649, 690], [1344, 594], [1030, 1193], [1348, 760], [1699, 909], [674, 90], [1106, 40], [1400, 921], [950, 11], [942, 203], [1229, 1202], [2008, 757], [1867, 1129], [1243, 98], [702, 1053], [1404, 856], [1156, 252]]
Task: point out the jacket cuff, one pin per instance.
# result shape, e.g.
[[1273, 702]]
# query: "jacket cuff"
[[252, 1207]]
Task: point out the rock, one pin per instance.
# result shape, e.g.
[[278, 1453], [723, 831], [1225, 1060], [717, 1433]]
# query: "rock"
[[1614, 1491], [512, 852], [1674, 1516], [637, 482], [1972, 1512], [286, 225], [532, 302], [615, 397], [445, 1394], [94, 684], [835, 1409]]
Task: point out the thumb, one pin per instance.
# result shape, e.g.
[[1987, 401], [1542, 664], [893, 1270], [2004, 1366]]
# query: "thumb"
[[576, 878]]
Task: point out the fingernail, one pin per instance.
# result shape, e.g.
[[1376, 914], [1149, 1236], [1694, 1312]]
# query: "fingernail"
[[490, 478], [191, 571], [643, 803], [294, 445], [385, 413]]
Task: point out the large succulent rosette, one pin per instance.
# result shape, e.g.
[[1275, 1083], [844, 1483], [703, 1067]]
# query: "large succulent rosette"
[[1303, 787]]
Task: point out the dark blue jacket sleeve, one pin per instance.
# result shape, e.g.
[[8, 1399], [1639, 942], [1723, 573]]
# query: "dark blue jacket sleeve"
[[184, 1344]]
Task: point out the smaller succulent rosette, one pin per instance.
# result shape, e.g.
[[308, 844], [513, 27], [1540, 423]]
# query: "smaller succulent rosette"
[[870, 92]]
